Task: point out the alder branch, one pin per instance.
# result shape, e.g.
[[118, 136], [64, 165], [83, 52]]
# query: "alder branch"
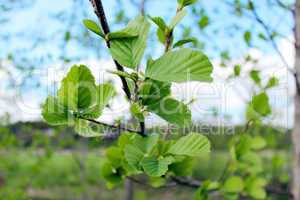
[[99, 10], [117, 127], [274, 45]]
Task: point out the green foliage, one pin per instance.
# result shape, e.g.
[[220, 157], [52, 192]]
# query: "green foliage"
[[185, 41], [153, 156], [237, 70], [273, 82], [260, 104], [247, 37], [233, 184], [178, 17], [255, 76], [183, 3], [173, 111], [181, 66], [78, 98], [93, 26], [203, 22], [193, 144], [129, 51], [160, 23]]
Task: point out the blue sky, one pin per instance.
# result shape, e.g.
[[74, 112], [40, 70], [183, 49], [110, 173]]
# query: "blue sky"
[[35, 33]]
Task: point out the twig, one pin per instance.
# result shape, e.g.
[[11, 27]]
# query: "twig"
[[119, 127], [99, 10]]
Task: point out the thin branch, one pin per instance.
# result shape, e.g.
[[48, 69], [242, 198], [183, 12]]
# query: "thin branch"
[[99, 10], [118, 127], [270, 37]]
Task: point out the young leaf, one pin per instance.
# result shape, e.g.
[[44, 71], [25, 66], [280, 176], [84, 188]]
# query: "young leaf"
[[172, 111], [93, 26], [152, 91], [133, 155], [129, 51], [55, 113], [161, 36], [181, 66], [178, 17], [237, 70], [184, 3], [258, 142], [185, 41], [123, 34], [254, 74], [255, 187], [137, 112], [247, 37], [115, 156], [83, 128], [233, 184], [104, 93], [145, 144], [182, 168], [203, 22], [273, 82], [160, 23], [192, 144], [156, 167], [78, 89], [260, 104], [110, 174]]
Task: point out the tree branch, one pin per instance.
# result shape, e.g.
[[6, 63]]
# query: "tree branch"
[[99, 10], [118, 127]]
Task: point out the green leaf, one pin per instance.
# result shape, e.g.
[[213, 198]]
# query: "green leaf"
[[260, 104], [78, 89], [152, 91], [258, 142], [104, 92], [247, 37], [178, 17], [172, 111], [83, 128], [185, 41], [181, 66], [110, 174], [182, 168], [184, 3], [123, 34], [233, 184], [161, 36], [133, 155], [254, 74], [93, 26], [255, 187], [192, 144], [203, 22], [137, 112], [129, 51], [145, 144], [160, 23], [55, 113], [273, 82], [115, 156], [237, 70], [156, 167]]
